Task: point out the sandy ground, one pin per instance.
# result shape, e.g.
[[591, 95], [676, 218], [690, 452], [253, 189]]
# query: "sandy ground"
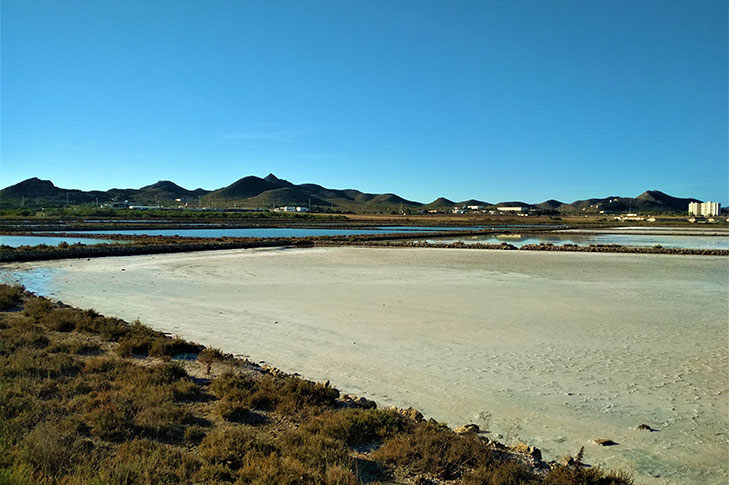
[[555, 349]]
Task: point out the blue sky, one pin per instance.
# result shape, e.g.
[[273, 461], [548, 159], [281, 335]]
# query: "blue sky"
[[495, 100]]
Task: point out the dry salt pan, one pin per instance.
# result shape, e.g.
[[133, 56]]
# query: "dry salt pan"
[[552, 349]]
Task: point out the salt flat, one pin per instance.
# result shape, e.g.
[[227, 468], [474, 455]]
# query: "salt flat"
[[558, 348]]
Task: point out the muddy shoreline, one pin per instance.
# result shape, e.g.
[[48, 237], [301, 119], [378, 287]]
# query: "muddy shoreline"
[[165, 245]]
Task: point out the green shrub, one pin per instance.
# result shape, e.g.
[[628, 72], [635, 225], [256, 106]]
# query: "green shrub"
[[434, 449], [578, 475], [194, 434], [210, 354], [171, 347], [32, 363], [134, 346], [290, 394], [18, 337], [235, 411], [53, 448], [229, 382], [315, 451], [37, 308], [111, 416], [142, 461], [103, 365], [357, 426], [230, 446], [273, 469], [166, 373], [508, 473], [185, 390], [161, 419], [213, 473], [339, 475], [10, 296], [17, 475]]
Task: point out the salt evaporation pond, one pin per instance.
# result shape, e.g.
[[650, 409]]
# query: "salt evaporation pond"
[[17, 241], [274, 231], [639, 240], [551, 348], [296, 231]]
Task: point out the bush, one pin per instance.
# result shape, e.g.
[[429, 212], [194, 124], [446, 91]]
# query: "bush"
[[10, 296], [185, 390], [229, 382], [54, 448], [15, 338], [37, 308], [431, 448], [171, 347], [290, 394], [110, 416], [508, 473], [210, 354], [357, 426], [315, 451], [229, 446], [166, 373], [142, 461], [134, 346], [577, 475], [32, 363], [273, 469], [235, 411], [194, 434]]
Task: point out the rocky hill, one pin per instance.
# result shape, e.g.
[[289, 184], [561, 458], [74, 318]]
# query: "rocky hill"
[[264, 193]]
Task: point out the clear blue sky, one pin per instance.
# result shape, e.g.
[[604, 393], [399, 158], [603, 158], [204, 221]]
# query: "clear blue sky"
[[495, 100]]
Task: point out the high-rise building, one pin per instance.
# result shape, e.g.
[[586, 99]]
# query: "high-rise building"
[[706, 209]]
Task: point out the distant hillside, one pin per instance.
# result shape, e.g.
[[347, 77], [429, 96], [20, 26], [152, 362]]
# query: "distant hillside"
[[652, 201], [271, 191], [441, 203], [550, 205]]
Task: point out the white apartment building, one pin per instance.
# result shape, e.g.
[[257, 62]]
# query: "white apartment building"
[[706, 209]]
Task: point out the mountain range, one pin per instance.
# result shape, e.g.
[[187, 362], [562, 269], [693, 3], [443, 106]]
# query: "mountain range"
[[271, 191]]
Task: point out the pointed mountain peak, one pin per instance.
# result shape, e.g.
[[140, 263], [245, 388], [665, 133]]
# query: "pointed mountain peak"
[[442, 201], [163, 184], [35, 182], [652, 194], [271, 178]]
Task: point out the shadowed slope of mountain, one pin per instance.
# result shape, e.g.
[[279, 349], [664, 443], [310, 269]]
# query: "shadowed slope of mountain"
[[33, 187], [474, 202], [44, 192], [164, 191], [657, 200], [271, 191], [513, 203], [652, 201], [550, 204], [292, 195], [245, 188], [440, 203]]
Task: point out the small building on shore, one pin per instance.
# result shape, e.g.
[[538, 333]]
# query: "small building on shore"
[[512, 208], [291, 208]]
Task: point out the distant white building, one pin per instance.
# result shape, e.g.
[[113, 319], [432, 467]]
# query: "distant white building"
[[706, 209], [290, 208], [512, 209]]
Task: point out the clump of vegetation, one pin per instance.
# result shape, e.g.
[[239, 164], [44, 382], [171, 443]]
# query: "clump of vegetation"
[[10, 296], [78, 405]]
